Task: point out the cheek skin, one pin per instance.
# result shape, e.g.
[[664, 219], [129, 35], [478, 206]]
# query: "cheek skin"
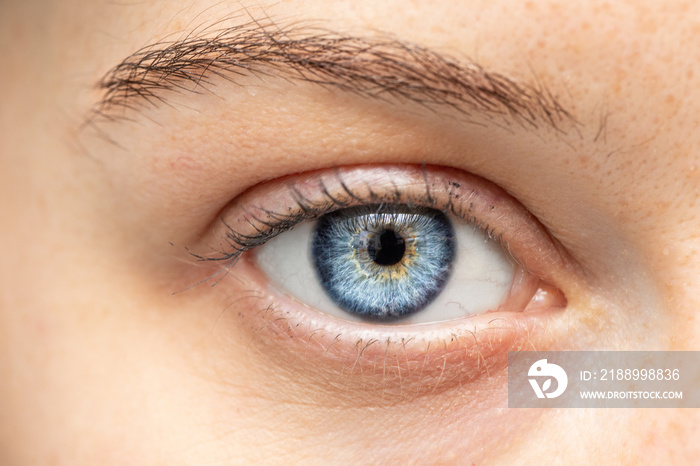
[[376, 399], [393, 389], [406, 405]]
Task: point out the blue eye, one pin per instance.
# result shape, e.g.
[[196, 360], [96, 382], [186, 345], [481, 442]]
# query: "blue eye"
[[393, 264], [383, 262]]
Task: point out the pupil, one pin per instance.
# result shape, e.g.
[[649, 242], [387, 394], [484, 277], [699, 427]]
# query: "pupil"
[[387, 248]]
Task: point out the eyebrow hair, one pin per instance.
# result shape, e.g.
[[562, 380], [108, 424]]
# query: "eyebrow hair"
[[378, 67]]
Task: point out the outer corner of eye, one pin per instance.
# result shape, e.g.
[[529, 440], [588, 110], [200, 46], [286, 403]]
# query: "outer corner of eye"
[[530, 294]]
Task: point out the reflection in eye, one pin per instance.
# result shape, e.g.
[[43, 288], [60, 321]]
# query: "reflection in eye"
[[386, 262]]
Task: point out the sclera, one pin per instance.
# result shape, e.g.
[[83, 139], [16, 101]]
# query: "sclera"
[[480, 280]]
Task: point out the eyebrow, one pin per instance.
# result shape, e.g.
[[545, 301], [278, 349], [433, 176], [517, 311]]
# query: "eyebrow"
[[375, 67]]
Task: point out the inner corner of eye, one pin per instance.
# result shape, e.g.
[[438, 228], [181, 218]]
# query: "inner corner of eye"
[[393, 263]]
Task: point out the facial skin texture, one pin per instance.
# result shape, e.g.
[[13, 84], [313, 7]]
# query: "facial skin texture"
[[109, 355]]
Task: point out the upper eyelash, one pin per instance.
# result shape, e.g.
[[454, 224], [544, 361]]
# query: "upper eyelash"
[[248, 223], [307, 209]]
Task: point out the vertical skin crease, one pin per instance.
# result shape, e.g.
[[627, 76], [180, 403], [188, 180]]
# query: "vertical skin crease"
[[572, 126]]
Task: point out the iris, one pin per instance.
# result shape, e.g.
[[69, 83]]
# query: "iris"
[[383, 262]]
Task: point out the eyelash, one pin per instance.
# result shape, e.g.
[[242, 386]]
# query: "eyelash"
[[276, 223]]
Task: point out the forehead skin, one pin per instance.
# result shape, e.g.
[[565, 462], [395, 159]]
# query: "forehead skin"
[[82, 383]]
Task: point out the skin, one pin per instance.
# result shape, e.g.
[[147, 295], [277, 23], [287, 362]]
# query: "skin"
[[104, 359]]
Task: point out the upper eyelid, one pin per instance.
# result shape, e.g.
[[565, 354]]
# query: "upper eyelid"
[[283, 222], [371, 67], [512, 225]]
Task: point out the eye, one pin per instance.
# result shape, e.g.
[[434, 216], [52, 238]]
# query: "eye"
[[396, 244], [392, 263], [380, 278]]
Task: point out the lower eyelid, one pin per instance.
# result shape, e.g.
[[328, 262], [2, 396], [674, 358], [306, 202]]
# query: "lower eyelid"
[[391, 362]]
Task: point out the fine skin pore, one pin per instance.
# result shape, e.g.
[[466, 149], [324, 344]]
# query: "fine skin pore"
[[115, 348]]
